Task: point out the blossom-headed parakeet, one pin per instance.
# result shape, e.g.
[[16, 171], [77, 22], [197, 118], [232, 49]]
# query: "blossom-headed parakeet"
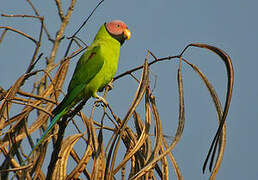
[[94, 70]]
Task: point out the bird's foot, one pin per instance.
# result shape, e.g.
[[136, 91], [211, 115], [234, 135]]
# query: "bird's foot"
[[101, 100]]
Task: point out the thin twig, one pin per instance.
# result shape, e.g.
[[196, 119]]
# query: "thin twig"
[[19, 32], [60, 10], [140, 67], [35, 107], [44, 26], [20, 92], [21, 15], [83, 24], [3, 35]]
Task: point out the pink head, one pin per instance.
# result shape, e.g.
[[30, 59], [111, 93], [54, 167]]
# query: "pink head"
[[118, 30]]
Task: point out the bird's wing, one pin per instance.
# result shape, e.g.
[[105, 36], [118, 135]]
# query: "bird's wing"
[[86, 69]]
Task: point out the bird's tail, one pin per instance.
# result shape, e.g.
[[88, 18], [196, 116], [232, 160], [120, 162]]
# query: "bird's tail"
[[50, 127], [67, 103]]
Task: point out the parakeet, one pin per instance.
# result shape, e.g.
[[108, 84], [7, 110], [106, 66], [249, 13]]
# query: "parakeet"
[[94, 70]]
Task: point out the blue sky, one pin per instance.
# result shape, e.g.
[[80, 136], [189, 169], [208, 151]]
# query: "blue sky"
[[165, 27]]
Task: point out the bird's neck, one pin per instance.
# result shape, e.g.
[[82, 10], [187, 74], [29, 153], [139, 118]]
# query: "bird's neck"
[[104, 35]]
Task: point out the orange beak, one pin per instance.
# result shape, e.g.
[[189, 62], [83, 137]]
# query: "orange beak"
[[127, 34]]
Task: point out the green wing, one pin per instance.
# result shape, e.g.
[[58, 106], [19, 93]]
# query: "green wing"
[[86, 69]]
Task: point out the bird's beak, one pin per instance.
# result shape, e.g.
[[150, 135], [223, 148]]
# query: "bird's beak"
[[127, 34]]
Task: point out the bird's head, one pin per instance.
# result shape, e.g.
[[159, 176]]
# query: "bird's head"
[[118, 30]]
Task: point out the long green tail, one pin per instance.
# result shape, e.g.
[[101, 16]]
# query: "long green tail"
[[50, 127]]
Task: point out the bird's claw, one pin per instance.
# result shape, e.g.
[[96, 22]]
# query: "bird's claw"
[[101, 100]]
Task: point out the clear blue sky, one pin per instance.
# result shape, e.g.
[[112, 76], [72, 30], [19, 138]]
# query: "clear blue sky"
[[165, 27]]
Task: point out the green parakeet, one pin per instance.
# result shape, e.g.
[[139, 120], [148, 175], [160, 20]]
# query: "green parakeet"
[[94, 70]]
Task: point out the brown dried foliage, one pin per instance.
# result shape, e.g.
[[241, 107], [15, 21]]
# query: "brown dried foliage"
[[140, 159]]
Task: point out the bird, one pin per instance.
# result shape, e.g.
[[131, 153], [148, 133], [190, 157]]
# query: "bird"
[[94, 70]]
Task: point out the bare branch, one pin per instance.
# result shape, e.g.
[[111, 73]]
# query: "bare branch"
[[36, 12], [129, 72], [19, 32], [21, 15], [60, 10]]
